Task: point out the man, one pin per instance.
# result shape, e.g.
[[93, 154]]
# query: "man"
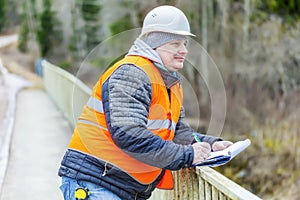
[[132, 132]]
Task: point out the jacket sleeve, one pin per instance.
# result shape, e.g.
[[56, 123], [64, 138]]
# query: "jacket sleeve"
[[126, 97], [184, 133]]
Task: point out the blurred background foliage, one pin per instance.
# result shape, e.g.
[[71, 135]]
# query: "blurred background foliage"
[[254, 43]]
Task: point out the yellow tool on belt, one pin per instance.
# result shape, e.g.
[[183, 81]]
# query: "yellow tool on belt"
[[82, 193]]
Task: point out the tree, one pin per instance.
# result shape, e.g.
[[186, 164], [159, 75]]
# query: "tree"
[[122, 24], [49, 33], [24, 32], [3, 10], [90, 10], [283, 8], [77, 44]]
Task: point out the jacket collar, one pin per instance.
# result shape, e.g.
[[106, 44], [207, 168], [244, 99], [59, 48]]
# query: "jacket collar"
[[169, 78], [140, 48]]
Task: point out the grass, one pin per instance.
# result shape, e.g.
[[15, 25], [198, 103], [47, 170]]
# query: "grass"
[[270, 166]]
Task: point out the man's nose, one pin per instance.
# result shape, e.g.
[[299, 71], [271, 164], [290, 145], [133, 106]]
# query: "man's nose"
[[183, 50]]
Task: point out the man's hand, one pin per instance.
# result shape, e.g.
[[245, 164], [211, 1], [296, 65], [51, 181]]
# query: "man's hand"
[[220, 145], [201, 151]]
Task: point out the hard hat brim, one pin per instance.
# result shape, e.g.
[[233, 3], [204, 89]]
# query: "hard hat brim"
[[186, 33]]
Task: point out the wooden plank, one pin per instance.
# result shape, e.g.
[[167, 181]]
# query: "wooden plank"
[[201, 188], [214, 193], [180, 189], [222, 196], [188, 184], [176, 188], [195, 184], [208, 191]]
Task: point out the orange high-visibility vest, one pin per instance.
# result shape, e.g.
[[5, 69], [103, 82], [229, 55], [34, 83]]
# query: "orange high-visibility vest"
[[91, 134]]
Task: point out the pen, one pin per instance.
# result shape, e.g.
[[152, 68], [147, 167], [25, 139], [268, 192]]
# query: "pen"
[[196, 137]]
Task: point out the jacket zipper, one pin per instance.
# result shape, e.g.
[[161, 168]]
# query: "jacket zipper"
[[105, 169], [149, 187]]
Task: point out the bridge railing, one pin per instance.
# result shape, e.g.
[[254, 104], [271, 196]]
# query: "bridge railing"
[[204, 183], [68, 92]]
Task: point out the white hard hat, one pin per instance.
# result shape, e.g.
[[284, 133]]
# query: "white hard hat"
[[167, 19]]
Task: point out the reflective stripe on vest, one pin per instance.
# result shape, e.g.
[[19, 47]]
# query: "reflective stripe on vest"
[[92, 136], [159, 124], [97, 105], [91, 123]]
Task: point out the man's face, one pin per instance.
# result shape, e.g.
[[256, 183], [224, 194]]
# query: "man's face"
[[173, 54]]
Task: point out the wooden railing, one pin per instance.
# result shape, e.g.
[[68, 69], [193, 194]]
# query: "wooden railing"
[[203, 183], [68, 92]]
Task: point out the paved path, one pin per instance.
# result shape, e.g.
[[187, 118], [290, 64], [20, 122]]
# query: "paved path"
[[3, 104], [39, 139], [33, 138], [3, 93], [8, 39]]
